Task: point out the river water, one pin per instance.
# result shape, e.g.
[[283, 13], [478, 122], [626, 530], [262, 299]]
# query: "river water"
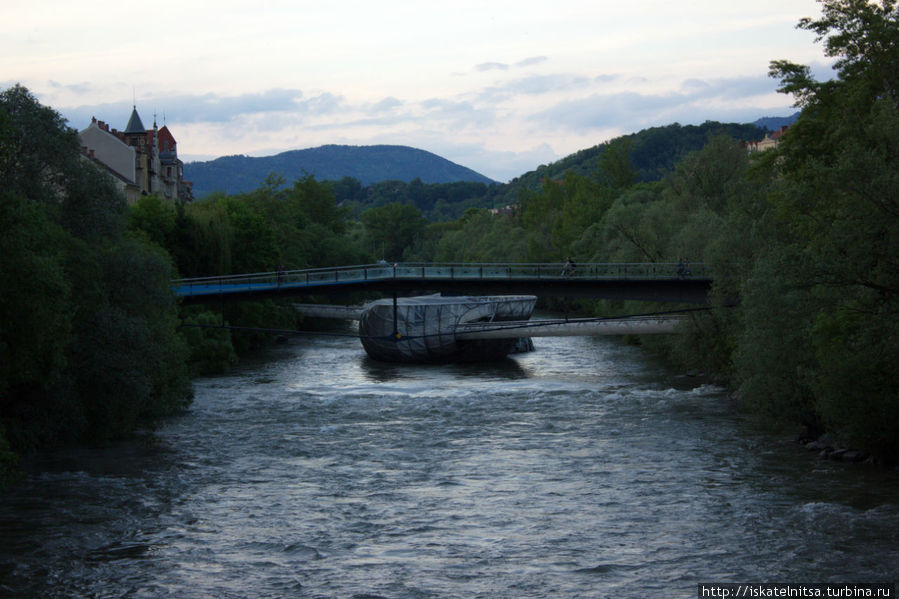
[[580, 470]]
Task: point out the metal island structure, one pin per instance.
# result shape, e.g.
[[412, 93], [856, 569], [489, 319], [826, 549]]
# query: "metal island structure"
[[429, 326]]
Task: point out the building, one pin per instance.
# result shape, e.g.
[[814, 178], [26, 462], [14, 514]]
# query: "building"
[[141, 161], [768, 142], [171, 169]]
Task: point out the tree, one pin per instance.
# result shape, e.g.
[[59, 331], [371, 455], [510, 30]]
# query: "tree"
[[253, 244], [35, 323], [636, 228], [480, 236], [156, 217], [317, 201], [88, 330], [38, 153], [837, 171], [864, 37], [615, 168], [391, 229]]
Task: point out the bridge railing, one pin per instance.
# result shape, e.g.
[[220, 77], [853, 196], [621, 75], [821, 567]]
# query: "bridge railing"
[[648, 270], [431, 271]]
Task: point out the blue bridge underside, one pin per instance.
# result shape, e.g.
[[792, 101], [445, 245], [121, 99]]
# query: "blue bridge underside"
[[645, 282]]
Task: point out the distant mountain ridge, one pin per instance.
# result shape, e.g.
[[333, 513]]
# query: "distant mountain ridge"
[[773, 123], [368, 164]]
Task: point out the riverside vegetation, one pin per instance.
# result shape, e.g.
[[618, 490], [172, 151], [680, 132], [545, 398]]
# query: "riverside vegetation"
[[803, 236]]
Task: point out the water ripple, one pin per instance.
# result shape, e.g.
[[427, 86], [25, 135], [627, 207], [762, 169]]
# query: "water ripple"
[[578, 470]]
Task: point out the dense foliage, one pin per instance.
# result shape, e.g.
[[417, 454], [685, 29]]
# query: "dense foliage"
[[834, 199], [270, 228], [88, 329], [436, 201]]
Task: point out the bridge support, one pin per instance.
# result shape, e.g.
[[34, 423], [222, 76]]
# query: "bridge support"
[[396, 333]]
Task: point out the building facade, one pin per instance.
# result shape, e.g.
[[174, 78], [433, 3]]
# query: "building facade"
[[771, 140], [141, 161]]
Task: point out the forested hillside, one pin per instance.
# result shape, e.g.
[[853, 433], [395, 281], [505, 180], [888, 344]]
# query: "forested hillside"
[[648, 156], [367, 164], [652, 152]]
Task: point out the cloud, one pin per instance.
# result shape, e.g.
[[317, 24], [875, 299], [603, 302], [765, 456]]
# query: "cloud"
[[599, 111], [210, 108], [216, 108], [491, 66], [696, 100], [116, 114], [733, 88], [533, 85], [75, 88], [502, 66], [457, 114], [531, 61], [322, 104], [389, 105]]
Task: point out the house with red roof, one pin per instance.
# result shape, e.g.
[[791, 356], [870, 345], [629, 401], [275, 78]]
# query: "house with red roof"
[[771, 140]]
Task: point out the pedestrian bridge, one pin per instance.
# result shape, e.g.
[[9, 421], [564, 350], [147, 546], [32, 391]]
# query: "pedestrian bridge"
[[657, 282]]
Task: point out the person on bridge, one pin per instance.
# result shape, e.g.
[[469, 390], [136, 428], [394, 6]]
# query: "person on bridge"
[[568, 269]]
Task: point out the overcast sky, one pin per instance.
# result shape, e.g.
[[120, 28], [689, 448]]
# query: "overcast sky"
[[498, 86]]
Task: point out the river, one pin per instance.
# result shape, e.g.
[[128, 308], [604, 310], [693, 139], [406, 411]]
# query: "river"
[[583, 469]]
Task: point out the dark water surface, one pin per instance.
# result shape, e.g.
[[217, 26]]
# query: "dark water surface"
[[580, 470]]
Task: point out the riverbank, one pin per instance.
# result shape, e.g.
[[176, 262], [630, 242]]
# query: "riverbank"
[[828, 444]]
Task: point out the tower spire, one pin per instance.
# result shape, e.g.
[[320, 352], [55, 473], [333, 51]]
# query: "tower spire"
[[134, 123]]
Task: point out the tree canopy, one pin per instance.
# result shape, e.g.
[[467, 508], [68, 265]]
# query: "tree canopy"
[[88, 329]]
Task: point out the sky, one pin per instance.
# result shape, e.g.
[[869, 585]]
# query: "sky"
[[497, 86]]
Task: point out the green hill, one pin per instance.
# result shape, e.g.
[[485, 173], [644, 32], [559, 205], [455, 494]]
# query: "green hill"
[[653, 152], [367, 164]]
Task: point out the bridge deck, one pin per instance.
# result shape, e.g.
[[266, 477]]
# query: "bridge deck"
[[643, 281]]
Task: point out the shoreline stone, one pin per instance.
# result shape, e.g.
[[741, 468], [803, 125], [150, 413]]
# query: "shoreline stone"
[[828, 449]]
